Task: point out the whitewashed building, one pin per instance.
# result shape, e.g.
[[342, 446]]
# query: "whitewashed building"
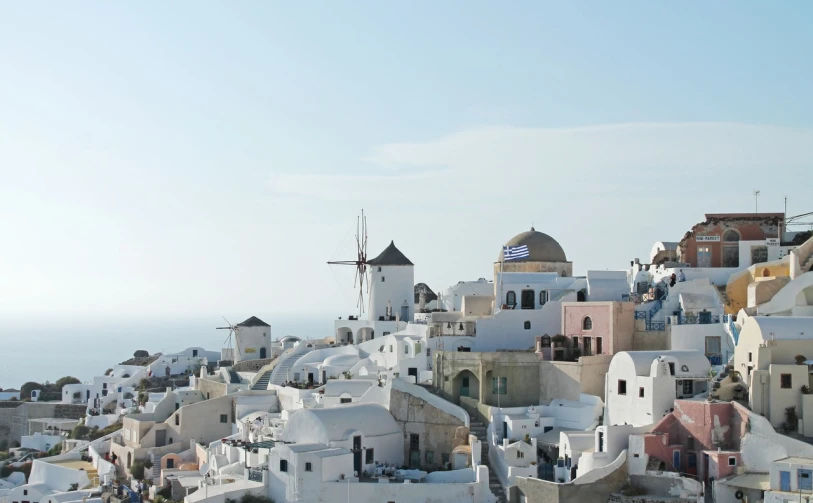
[[641, 386]]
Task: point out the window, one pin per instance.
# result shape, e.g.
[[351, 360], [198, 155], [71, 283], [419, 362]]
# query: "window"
[[308, 467], [750, 356], [546, 341], [599, 348], [345, 400], [224, 418], [177, 419], [390, 349], [640, 392], [527, 325], [713, 345], [379, 268], [759, 254], [499, 385], [786, 381], [688, 387], [414, 442], [528, 299], [622, 387], [587, 323], [369, 457], [731, 256], [543, 298], [511, 299], [25, 492], [418, 348], [386, 333], [283, 465], [672, 368], [732, 461], [575, 342], [520, 454], [731, 236], [406, 349], [703, 256], [383, 278]]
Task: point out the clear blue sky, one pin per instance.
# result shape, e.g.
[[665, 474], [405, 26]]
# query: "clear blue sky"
[[171, 158]]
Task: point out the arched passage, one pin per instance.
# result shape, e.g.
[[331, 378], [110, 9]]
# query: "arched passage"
[[364, 334], [466, 384], [344, 335]]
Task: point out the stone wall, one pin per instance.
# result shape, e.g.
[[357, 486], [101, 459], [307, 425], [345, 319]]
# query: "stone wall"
[[435, 428], [14, 421], [592, 491], [651, 341], [211, 388], [252, 365]]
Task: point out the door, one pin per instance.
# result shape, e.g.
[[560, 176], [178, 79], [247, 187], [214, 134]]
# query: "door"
[[414, 451], [588, 345], [464, 387], [784, 481], [676, 460], [263, 353], [310, 377], [404, 313], [357, 454], [413, 371], [527, 299], [806, 480], [170, 463], [599, 349], [160, 438], [505, 429]]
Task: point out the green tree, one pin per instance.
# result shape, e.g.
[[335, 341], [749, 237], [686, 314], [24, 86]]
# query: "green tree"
[[66, 380], [27, 388]]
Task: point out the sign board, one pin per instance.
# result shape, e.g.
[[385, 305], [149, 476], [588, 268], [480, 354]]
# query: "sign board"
[[249, 350], [772, 242], [707, 239]]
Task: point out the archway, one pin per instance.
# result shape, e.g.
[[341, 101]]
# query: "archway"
[[344, 335], [581, 296], [364, 334], [466, 384]]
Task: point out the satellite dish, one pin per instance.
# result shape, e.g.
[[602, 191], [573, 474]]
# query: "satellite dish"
[[204, 469]]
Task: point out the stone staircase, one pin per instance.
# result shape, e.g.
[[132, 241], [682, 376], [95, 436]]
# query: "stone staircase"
[[478, 429], [262, 382], [280, 373]]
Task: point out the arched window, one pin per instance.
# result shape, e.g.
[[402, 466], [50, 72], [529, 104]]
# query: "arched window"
[[731, 235], [587, 323], [527, 325], [511, 298]]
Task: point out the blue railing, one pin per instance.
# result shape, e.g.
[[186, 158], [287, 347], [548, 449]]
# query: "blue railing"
[[640, 315], [656, 326], [734, 331], [255, 475], [715, 359]]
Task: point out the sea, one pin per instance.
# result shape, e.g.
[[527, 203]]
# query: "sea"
[[42, 350]]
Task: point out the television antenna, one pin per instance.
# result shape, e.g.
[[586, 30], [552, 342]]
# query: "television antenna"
[[756, 200], [360, 281]]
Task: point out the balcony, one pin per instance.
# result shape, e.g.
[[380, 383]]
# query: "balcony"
[[459, 329]]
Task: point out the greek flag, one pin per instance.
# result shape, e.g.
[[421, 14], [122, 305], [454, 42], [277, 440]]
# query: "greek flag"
[[515, 252]]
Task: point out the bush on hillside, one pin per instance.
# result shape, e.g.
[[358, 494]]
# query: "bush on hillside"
[[60, 383], [79, 432], [27, 388], [141, 354]]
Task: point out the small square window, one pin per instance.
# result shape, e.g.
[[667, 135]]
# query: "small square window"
[[383, 278], [640, 392], [379, 268], [732, 461], [224, 418], [622, 387], [283, 465], [345, 400], [527, 325], [520, 454], [369, 457], [786, 381], [308, 467]]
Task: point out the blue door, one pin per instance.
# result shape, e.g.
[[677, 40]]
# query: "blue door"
[[806, 480], [784, 481], [676, 460]]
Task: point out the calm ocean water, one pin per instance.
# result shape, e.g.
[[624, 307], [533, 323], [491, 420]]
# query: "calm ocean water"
[[47, 350]]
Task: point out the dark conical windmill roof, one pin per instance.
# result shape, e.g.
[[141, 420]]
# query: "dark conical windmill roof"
[[390, 256], [253, 322]]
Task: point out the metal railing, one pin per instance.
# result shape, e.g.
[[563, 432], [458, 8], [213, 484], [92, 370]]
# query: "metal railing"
[[640, 315], [696, 319], [656, 326], [255, 474]]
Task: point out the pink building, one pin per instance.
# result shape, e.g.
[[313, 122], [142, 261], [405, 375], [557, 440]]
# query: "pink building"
[[598, 328], [698, 439]]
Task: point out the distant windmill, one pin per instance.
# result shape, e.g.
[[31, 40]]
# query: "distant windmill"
[[360, 263], [232, 331]]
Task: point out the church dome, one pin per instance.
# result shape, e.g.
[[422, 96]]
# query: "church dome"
[[541, 247]]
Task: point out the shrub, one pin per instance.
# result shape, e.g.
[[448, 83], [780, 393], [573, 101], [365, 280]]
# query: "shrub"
[[27, 388], [53, 451], [79, 432], [60, 383], [108, 372], [144, 384], [141, 354], [800, 359], [137, 469]]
